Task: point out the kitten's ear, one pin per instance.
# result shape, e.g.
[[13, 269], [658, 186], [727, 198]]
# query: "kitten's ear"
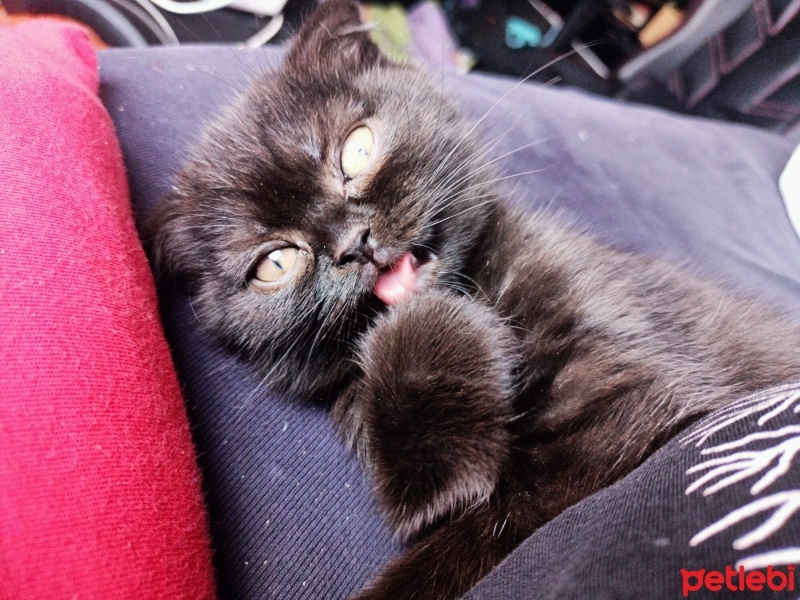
[[334, 37]]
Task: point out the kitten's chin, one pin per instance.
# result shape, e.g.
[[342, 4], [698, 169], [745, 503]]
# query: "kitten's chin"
[[408, 276]]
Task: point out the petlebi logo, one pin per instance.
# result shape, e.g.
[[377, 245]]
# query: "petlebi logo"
[[738, 580], [760, 459]]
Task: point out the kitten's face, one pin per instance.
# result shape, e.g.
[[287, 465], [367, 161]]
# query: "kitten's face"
[[334, 188]]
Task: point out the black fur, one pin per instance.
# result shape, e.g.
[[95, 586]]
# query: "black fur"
[[533, 368]]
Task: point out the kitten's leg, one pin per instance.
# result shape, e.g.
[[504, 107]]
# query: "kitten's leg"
[[449, 560], [434, 405]]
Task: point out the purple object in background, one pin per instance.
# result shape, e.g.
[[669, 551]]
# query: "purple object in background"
[[432, 42]]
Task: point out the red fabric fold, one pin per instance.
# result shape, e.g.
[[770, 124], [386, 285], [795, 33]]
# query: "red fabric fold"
[[99, 489]]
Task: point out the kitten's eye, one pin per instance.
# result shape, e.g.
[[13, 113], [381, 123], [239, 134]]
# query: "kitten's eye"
[[276, 264], [356, 151]]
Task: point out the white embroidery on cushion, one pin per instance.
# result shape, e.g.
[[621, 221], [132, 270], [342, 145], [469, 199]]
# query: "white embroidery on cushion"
[[731, 462]]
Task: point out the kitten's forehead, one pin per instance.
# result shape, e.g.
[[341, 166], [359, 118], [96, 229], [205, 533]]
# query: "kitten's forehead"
[[330, 99], [305, 120]]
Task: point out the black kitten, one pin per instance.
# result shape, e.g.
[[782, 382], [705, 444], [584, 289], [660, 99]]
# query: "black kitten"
[[338, 227]]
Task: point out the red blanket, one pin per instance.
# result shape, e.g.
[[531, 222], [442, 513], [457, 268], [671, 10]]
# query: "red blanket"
[[99, 490]]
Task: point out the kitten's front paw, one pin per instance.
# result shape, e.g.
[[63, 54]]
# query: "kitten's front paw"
[[436, 400]]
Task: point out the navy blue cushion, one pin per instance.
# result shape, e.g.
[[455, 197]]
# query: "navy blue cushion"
[[291, 513]]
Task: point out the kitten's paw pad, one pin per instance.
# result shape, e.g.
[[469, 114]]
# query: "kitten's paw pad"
[[436, 399]]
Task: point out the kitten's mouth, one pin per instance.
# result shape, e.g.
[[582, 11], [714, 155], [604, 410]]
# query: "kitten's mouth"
[[409, 275]]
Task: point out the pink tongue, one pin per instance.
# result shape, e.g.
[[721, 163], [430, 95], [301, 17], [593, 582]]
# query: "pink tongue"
[[394, 286]]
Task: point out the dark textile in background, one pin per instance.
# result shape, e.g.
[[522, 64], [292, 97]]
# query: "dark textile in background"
[[292, 515], [630, 541]]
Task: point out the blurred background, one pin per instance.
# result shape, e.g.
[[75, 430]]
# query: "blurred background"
[[737, 60]]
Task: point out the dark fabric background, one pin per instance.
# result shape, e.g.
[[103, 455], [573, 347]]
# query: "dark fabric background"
[[631, 540], [291, 513]]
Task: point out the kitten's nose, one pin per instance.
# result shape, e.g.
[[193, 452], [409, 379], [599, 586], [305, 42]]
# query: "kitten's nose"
[[354, 246]]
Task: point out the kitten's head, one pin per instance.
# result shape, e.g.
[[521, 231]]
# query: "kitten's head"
[[331, 190]]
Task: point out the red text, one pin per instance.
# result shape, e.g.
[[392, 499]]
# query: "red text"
[[738, 580]]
